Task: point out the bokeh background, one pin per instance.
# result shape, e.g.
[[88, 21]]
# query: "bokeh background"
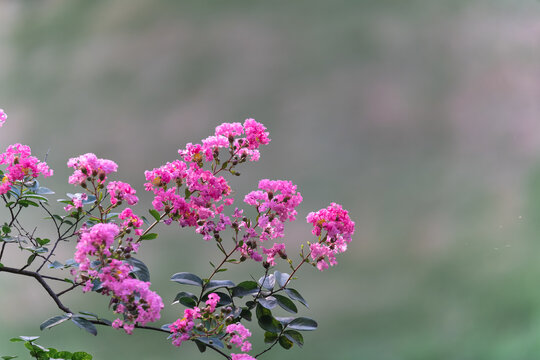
[[420, 117]]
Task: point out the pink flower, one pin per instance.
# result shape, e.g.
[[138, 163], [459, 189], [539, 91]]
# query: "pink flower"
[[255, 134], [339, 230], [239, 336], [181, 328], [122, 191], [212, 301], [21, 166], [89, 166], [277, 249], [3, 117], [242, 357]]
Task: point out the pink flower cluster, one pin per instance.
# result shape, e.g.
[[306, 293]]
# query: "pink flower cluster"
[[339, 230], [121, 191], [131, 222], [21, 166], [181, 328], [242, 357], [88, 166], [276, 203], [239, 336], [131, 297], [3, 117], [206, 194]]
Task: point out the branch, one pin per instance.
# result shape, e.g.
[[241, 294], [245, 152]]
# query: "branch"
[[41, 281]]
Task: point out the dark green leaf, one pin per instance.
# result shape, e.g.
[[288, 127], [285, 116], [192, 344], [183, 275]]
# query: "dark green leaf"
[[303, 324], [285, 342], [270, 324], [215, 284], [155, 214], [294, 336], [31, 259], [185, 298], [8, 357], [245, 288], [224, 299], [187, 278], [139, 269], [295, 295], [84, 324], [200, 346], [149, 236], [270, 337], [49, 323], [246, 314], [284, 320], [286, 303]]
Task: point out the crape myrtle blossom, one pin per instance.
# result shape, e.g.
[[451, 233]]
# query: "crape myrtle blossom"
[[21, 166], [131, 297], [88, 166], [242, 357], [181, 329], [339, 230], [239, 336], [201, 203], [121, 191], [3, 117]]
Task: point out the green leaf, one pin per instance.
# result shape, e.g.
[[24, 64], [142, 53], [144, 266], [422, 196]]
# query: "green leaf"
[[8, 357], [84, 324], [269, 302], [149, 236], [49, 323], [200, 346], [1, 265], [270, 337], [185, 298], [215, 284], [267, 321], [270, 324], [139, 269], [281, 278], [245, 288], [303, 324], [81, 355], [294, 336], [42, 242], [89, 314], [31, 259], [38, 197], [187, 279], [286, 303], [154, 214], [64, 355], [295, 295], [285, 342]]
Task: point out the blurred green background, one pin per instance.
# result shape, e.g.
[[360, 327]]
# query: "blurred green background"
[[420, 117]]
